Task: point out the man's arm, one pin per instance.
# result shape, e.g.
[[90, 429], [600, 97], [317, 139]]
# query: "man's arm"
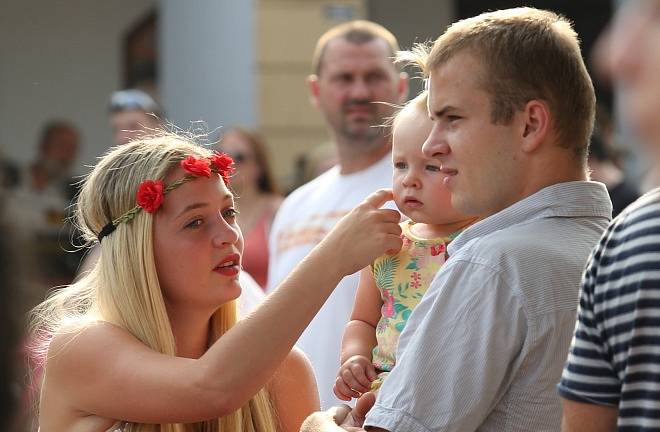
[[585, 417], [341, 418]]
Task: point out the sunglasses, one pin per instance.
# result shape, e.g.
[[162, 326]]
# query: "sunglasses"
[[239, 157]]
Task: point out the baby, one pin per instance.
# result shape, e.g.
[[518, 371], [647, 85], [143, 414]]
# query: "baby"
[[392, 286]]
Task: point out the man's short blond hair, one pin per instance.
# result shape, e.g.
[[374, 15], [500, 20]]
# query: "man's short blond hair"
[[527, 54], [357, 32]]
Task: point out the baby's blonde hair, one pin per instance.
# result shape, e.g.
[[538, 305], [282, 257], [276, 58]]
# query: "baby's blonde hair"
[[418, 103], [417, 58]]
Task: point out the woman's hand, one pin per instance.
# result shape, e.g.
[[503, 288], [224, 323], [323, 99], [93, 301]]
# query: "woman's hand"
[[364, 234]]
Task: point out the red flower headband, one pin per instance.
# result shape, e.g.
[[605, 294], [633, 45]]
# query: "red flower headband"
[[151, 193]]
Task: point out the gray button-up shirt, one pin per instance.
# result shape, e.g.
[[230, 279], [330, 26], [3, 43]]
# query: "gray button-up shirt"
[[485, 347]]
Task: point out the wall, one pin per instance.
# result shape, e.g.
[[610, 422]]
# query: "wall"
[[221, 61], [61, 59], [413, 22], [207, 63]]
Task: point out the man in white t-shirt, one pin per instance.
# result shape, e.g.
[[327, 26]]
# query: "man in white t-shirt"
[[352, 71]]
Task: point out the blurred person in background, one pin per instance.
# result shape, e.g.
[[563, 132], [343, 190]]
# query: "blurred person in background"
[[9, 172], [12, 308], [38, 210], [57, 153], [606, 167], [258, 197], [133, 113], [611, 379], [38, 206], [352, 70]]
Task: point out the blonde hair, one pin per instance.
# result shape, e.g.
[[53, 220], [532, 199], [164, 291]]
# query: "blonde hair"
[[123, 287], [356, 32], [527, 54], [416, 57], [418, 103]]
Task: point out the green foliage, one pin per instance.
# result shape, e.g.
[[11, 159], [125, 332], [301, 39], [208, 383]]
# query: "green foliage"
[[384, 271]]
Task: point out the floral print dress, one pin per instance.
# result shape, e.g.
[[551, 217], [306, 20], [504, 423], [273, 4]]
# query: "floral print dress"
[[402, 280]]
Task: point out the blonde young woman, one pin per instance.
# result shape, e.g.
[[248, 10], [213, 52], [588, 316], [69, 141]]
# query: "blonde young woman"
[[148, 340]]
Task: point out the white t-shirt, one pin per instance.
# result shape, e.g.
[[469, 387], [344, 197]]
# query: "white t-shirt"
[[251, 294], [304, 218]]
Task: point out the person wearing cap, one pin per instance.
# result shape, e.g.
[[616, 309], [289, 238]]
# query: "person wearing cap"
[[132, 113]]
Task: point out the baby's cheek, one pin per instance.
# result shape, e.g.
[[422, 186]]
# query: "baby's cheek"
[[397, 190], [398, 199]]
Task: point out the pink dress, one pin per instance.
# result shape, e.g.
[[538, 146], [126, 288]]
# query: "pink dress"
[[255, 253]]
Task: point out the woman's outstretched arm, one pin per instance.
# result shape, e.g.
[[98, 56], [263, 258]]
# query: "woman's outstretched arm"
[[104, 370]]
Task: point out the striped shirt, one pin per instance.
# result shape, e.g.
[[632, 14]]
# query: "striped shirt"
[[484, 349], [615, 356]]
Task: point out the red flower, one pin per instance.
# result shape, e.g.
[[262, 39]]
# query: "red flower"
[[224, 164], [437, 250], [222, 161], [415, 280], [150, 195], [387, 310], [196, 167]]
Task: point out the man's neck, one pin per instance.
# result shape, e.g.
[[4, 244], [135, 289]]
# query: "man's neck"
[[554, 174], [539, 177], [352, 161]]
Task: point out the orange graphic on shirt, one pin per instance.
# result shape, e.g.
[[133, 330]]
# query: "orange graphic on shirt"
[[318, 226]]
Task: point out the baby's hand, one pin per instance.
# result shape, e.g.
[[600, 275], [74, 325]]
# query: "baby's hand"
[[354, 377]]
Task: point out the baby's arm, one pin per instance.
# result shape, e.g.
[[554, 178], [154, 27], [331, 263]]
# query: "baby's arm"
[[357, 371]]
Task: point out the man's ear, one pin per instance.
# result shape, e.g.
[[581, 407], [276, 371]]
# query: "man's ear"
[[536, 124], [313, 84], [403, 87]]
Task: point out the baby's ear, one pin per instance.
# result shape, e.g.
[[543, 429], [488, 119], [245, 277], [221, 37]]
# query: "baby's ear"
[[403, 87], [313, 84]]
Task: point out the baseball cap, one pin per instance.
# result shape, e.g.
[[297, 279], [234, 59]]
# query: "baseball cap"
[[133, 99]]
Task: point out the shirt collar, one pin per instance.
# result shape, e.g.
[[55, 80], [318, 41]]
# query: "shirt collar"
[[570, 199]]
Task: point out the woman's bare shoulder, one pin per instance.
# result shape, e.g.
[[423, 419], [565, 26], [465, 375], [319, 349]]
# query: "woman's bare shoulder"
[[77, 357], [296, 363], [86, 341]]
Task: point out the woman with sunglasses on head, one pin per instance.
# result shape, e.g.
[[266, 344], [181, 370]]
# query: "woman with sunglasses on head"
[[148, 340], [258, 197]]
